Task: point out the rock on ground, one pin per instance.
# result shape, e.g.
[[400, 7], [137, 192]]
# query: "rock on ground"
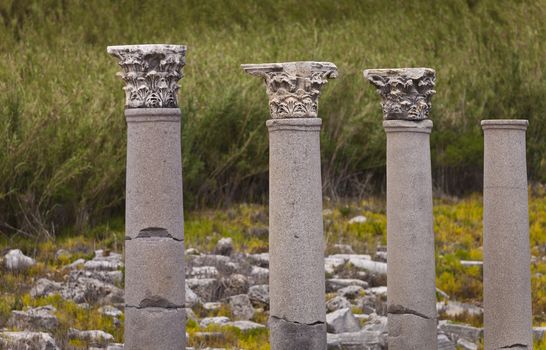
[[361, 340], [259, 295], [27, 341], [15, 260], [241, 307], [192, 299], [224, 246], [45, 287], [245, 325], [337, 303], [217, 320], [341, 321], [37, 319], [93, 337], [444, 343]]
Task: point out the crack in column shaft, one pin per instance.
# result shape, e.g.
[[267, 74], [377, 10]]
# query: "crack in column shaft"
[[401, 310]]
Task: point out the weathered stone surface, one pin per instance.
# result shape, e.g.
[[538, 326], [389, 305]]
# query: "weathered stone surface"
[[245, 325], [154, 273], [203, 272], [291, 335], [191, 298], [444, 343], [216, 320], [224, 246], [241, 307], [38, 319], [341, 321], [335, 284], [331, 263], [293, 87], [212, 306], [411, 273], [91, 291], [507, 282], [360, 261], [409, 331], [351, 292], [44, 287], [154, 328], [336, 303], [27, 341], [456, 330], [111, 262], [466, 345], [235, 284], [154, 174], [219, 261], [109, 277], [15, 260], [261, 259], [92, 337], [296, 244], [361, 340], [406, 93], [150, 73], [259, 274], [259, 295]]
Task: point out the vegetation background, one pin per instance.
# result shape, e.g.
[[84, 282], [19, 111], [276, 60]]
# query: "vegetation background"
[[63, 134], [62, 130]]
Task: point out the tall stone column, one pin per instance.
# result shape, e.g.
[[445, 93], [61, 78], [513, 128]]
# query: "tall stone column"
[[507, 259], [411, 295], [154, 224], [296, 242]]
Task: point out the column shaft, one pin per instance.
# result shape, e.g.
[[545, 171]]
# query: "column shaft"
[[506, 271], [411, 294], [154, 248], [296, 242]]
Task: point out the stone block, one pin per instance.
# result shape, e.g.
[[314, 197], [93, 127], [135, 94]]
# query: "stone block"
[[286, 335], [408, 331], [154, 174], [154, 328], [154, 274]]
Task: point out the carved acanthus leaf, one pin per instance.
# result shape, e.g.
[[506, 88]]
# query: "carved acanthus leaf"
[[293, 87], [151, 74], [406, 93]]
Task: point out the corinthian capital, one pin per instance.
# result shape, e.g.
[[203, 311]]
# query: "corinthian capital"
[[406, 92], [151, 74], [293, 87]]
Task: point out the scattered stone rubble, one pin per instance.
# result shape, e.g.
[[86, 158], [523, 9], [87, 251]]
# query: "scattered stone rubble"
[[355, 306]]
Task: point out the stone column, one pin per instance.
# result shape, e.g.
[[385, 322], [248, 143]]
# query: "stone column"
[[296, 242], [507, 259], [411, 295], [154, 224]]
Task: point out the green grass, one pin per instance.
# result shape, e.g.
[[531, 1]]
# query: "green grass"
[[62, 133]]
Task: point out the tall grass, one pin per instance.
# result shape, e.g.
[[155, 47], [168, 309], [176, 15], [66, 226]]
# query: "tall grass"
[[62, 132]]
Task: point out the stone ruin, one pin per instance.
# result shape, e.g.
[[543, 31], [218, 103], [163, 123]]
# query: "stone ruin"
[[154, 246]]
